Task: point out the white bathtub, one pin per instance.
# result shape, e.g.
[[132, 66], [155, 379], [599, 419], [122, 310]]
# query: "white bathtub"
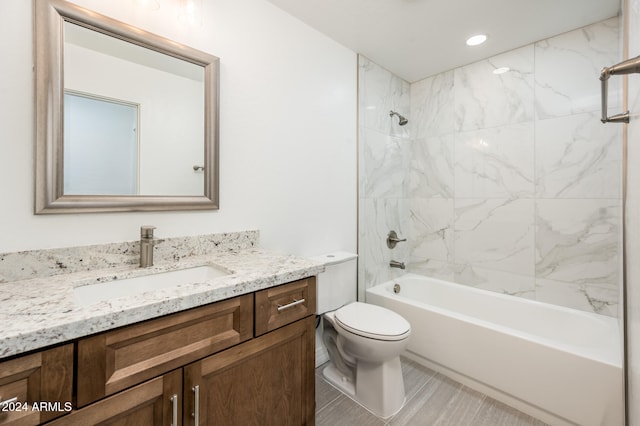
[[560, 365]]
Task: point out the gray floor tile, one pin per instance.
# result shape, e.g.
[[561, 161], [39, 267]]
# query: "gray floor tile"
[[432, 400], [430, 404], [325, 393], [345, 412], [465, 409], [495, 413], [415, 376]]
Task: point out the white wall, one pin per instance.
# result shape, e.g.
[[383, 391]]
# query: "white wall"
[[287, 132]]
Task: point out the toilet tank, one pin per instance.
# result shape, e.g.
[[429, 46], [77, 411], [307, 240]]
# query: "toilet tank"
[[338, 284]]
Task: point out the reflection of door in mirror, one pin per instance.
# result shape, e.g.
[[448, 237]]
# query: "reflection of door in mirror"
[[100, 146], [170, 96]]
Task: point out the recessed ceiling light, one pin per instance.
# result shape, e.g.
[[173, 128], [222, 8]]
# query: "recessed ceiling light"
[[501, 70], [476, 40]]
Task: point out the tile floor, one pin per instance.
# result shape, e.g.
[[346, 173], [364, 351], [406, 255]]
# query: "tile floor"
[[432, 399]]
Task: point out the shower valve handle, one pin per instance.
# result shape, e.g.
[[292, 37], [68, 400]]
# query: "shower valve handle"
[[392, 239]]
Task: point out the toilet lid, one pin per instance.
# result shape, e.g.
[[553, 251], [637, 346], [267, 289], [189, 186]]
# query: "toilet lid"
[[372, 321]]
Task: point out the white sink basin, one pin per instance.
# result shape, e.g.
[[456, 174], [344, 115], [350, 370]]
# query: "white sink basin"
[[93, 293]]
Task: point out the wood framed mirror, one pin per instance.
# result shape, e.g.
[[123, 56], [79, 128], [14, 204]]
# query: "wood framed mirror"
[[125, 120]]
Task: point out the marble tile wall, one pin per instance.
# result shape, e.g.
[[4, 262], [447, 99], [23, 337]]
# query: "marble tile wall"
[[384, 172], [515, 185]]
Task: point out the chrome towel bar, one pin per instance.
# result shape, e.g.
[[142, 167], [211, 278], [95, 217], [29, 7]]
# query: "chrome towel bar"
[[629, 66]]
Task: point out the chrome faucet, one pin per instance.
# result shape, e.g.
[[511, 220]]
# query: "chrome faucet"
[[146, 245], [396, 264]]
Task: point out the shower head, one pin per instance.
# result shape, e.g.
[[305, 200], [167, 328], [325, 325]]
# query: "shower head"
[[401, 120]]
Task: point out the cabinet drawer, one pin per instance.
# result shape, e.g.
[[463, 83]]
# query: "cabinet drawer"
[[44, 377], [117, 359], [284, 304]]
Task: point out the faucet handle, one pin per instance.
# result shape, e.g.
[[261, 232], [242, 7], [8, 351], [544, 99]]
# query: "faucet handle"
[[146, 231], [392, 239]]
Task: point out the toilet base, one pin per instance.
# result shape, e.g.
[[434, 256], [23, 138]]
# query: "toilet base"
[[339, 381], [377, 387]]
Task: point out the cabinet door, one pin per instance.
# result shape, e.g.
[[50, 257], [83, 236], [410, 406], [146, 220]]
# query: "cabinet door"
[[156, 402], [115, 360], [39, 386], [266, 381]]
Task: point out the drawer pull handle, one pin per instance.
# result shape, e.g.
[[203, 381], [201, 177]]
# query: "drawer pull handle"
[[174, 410], [196, 405], [5, 403], [290, 305]]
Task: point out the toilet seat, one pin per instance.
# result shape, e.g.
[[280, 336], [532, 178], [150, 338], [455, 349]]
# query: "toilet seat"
[[372, 321]]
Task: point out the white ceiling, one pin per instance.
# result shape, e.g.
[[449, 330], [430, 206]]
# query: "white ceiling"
[[418, 38]]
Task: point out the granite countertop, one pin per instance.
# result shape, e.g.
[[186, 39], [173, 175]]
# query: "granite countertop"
[[42, 311]]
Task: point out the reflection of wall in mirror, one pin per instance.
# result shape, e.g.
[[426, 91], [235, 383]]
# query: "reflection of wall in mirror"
[[167, 116]]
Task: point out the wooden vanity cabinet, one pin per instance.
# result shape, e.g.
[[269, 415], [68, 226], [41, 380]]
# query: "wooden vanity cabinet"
[[29, 381], [155, 402], [201, 366], [115, 360], [269, 380], [266, 381]]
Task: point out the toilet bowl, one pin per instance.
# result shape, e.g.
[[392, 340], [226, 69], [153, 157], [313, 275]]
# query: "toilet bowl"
[[364, 343]]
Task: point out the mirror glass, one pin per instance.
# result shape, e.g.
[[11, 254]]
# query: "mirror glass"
[[126, 120], [133, 118]]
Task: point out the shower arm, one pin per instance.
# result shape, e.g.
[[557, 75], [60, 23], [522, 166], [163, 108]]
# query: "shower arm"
[[630, 66]]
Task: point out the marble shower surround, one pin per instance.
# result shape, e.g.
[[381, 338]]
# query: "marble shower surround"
[[507, 182], [384, 158], [531, 202]]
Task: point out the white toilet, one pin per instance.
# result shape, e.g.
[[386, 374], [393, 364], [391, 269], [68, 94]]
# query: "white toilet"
[[364, 341]]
